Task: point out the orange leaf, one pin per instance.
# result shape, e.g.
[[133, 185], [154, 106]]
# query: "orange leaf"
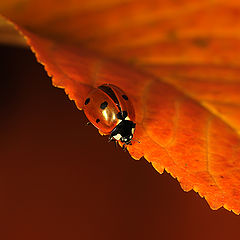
[[178, 62]]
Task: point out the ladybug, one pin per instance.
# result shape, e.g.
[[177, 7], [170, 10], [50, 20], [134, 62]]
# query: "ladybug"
[[109, 109]]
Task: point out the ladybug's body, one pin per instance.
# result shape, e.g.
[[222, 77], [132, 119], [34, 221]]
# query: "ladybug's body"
[[109, 109]]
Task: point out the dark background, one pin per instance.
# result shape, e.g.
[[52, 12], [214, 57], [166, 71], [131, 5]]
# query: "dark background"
[[60, 179]]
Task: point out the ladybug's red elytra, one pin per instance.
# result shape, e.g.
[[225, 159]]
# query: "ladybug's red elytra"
[[109, 109]]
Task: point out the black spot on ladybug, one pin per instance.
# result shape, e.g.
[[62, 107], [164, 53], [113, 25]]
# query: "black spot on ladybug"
[[119, 115], [87, 101], [103, 105], [125, 97], [124, 114], [98, 120]]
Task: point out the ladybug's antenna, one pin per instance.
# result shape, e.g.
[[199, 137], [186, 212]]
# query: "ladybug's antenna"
[[136, 140]]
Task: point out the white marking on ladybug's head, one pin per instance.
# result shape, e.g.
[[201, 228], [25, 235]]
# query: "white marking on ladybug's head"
[[127, 139], [133, 129], [127, 118], [118, 136]]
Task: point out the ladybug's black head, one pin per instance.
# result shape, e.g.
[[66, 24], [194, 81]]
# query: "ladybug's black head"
[[123, 131]]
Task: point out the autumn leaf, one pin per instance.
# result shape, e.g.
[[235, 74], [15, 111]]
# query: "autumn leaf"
[[177, 60]]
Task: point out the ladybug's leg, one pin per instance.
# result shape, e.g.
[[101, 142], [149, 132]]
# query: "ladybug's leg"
[[110, 139], [88, 123]]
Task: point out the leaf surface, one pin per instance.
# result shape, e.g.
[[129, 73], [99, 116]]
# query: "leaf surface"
[[179, 63]]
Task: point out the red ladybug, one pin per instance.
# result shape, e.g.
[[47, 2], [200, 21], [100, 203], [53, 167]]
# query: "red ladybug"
[[109, 109]]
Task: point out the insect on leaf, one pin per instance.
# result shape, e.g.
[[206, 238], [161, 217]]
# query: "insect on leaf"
[[176, 61]]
